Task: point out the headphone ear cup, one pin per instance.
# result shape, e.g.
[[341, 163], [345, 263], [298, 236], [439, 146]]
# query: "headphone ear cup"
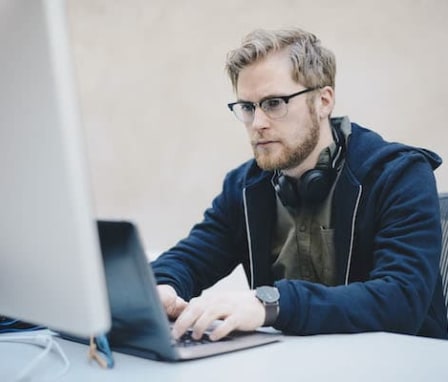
[[315, 185], [287, 191]]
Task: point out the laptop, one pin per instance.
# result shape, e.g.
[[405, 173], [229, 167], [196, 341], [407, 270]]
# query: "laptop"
[[140, 325]]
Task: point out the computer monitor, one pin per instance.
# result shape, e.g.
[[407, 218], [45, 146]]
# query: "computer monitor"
[[51, 271]]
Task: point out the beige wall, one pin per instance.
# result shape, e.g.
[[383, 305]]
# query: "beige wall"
[[153, 91]]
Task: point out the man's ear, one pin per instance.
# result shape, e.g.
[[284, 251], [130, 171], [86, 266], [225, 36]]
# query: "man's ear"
[[325, 102]]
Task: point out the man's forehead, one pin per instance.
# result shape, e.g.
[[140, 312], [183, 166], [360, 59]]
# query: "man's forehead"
[[270, 76]]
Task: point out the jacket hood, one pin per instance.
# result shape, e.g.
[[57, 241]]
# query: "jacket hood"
[[365, 143]]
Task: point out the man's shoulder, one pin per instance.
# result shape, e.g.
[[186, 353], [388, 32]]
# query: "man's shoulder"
[[368, 150]]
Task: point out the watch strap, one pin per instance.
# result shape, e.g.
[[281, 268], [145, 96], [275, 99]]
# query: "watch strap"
[[271, 313]]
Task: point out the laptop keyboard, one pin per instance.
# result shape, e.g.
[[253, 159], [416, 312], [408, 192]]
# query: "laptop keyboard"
[[187, 339]]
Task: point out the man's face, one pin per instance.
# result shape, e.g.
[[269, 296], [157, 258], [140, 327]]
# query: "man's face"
[[283, 143]]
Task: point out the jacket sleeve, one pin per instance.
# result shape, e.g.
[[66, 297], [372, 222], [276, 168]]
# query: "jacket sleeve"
[[396, 295], [210, 251]]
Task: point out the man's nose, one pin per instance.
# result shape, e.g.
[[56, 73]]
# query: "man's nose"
[[261, 120]]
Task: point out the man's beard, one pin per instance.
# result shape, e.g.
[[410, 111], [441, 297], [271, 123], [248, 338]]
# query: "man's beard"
[[292, 156]]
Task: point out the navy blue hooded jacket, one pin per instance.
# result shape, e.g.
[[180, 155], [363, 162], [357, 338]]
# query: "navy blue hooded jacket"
[[387, 238]]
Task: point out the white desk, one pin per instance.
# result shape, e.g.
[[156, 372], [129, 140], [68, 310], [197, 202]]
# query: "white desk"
[[358, 357]]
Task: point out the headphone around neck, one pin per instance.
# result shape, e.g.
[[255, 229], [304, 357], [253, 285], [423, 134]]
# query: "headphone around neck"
[[315, 184]]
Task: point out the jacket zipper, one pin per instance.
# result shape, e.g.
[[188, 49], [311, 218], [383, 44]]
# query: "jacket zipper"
[[352, 234], [249, 241]]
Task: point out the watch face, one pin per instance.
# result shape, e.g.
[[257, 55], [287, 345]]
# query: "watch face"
[[268, 294]]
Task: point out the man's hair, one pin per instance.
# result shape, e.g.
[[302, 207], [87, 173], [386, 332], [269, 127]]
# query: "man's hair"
[[313, 65]]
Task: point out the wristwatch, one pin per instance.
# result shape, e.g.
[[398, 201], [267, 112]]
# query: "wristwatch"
[[269, 297]]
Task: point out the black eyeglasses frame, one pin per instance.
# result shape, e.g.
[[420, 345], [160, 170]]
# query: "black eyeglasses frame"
[[284, 98]]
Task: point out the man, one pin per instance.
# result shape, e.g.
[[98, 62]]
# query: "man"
[[338, 231]]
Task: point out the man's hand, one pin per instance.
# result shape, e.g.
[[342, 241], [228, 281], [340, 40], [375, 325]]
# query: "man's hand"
[[239, 310], [173, 304]]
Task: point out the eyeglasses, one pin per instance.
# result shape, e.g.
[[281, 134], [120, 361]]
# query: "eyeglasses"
[[273, 107]]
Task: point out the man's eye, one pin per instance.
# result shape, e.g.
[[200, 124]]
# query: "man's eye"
[[272, 103], [247, 107]]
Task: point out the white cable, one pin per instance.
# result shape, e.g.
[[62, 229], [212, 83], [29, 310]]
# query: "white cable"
[[45, 341], [42, 341]]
